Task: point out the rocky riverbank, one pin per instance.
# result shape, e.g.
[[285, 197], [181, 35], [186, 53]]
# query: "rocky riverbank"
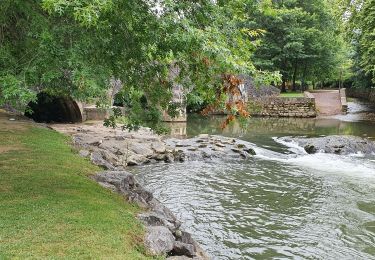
[[163, 233], [115, 150], [336, 144]]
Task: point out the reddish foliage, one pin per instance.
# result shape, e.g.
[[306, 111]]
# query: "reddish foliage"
[[230, 87]]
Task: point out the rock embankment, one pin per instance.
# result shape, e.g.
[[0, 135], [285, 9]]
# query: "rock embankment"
[[114, 149], [336, 144], [163, 233]]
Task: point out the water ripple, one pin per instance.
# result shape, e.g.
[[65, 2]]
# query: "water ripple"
[[262, 208]]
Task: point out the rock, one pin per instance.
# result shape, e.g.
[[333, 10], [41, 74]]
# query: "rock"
[[158, 147], [159, 240], [185, 238], [179, 156], [120, 138], [250, 151], [178, 233], [141, 149], [244, 155], [206, 155], [97, 158], [153, 218], [96, 142], [183, 249], [111, 179], [236, 150], [202, 145], [217, 149], [111, 158], [84, 153], [136, 159], [134, 192], [163, 212], [241, 146], [310, 149], [125, 183], [179, 258], [220, 145], [159, 157], [169, 158]]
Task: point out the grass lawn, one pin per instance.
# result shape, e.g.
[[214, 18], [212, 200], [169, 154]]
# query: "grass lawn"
[[50, 209], [292, 94]]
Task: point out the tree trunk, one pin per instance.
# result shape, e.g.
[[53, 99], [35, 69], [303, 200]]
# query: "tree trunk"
[[294, 77], [303, 78], [283, 86]]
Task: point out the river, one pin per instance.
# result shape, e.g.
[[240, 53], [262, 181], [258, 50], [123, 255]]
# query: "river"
[[282, 203]]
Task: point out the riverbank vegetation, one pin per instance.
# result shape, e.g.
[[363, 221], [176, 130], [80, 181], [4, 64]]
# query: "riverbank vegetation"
[[76, 47], [49, 208]]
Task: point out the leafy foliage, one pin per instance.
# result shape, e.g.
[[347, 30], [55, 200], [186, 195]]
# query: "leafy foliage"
[[74, 47], [302, 40], [366, 38], [359, 24]]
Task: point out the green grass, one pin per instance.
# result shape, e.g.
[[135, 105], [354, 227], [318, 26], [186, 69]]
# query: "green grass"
[[49, 208], [291, 94]]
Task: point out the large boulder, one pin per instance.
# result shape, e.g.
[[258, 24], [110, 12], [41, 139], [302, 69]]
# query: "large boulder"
[[98, 159], [159, 240], [153, 218], [125, 183], [335, 144], [183, 249]]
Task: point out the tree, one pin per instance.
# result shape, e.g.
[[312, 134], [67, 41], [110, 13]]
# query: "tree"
[[358, 20], [301, 40], [363, 29], [73, 47]]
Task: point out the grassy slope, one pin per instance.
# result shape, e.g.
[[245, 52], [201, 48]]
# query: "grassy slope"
[[49, 208]]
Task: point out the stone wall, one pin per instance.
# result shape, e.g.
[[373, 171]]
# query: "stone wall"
[[283, 107], [364, 93], [344, 103]]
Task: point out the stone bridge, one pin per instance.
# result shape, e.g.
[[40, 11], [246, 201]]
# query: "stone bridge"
[[67, 110]]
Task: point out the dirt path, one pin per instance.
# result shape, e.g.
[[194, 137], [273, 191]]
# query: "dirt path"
[[328, 102]]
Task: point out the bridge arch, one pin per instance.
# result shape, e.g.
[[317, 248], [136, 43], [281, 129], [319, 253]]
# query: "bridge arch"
[[49, 109]]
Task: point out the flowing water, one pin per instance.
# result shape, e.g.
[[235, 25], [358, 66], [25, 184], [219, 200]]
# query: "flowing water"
[[281, 204]]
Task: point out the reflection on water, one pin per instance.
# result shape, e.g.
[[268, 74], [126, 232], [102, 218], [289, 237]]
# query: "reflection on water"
[[178, 129], [360, 121], [276, 205]]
